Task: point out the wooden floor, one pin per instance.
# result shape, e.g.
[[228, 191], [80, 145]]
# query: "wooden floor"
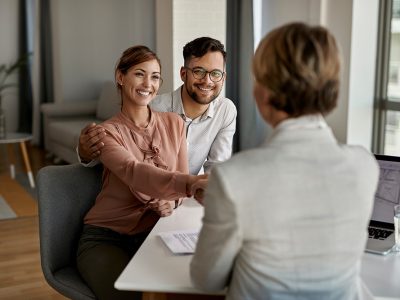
[[21, 276]]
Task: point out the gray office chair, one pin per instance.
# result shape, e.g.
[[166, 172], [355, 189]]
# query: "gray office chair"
[[65, 194]]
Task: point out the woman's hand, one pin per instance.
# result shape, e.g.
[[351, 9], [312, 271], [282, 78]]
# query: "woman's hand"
[[198, 189], [196, 186], [163, 208]]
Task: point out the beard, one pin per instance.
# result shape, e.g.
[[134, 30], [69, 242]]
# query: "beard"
[[202, 99]]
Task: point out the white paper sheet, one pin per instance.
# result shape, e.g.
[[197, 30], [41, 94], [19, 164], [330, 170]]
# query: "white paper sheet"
[[181, 242]]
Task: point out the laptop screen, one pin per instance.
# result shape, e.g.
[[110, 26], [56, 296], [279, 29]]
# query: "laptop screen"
[[388, 191]]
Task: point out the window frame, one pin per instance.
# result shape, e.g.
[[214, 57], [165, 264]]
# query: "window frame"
[[382, 103]]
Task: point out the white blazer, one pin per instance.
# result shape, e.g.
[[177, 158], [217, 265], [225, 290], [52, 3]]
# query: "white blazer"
[[288, 220]]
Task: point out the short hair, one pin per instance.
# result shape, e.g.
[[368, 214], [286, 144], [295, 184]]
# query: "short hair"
[[200, 46], [133, 56], [299, 65]]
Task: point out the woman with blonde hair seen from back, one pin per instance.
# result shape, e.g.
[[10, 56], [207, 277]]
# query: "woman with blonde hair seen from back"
[[288, 220]]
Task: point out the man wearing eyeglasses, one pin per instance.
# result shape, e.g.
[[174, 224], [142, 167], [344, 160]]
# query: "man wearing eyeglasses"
[[210, 118]]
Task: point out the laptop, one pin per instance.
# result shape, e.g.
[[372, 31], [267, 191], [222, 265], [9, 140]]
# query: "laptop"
[[381, 226]]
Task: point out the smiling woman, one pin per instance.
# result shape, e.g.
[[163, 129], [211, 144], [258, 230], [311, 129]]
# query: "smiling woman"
[[145, 161], [138, 75]]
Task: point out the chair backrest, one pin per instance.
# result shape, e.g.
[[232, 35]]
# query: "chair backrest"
[[65, 194]]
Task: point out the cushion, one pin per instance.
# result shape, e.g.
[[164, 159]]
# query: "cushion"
[[109, 102], [66, 132]]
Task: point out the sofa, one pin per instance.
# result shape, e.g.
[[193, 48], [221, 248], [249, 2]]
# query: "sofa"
[[64, 121]]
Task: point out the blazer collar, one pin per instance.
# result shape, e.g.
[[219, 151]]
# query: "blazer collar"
[[306, 128]]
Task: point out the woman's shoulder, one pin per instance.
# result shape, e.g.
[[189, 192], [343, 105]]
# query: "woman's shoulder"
[[169, 118], [362, 158], [113, 123]]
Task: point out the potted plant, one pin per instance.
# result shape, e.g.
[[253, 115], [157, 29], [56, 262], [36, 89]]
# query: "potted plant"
[[5, 72]]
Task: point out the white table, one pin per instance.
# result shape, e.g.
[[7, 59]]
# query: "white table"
[[155, 269], [381, 274], [18, 138]]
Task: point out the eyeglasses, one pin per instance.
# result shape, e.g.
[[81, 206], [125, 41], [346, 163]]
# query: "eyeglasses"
[[199, 73]]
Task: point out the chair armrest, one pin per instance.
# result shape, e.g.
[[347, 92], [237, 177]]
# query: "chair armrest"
[[66, 109]]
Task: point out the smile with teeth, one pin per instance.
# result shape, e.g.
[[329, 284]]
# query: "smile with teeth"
[[143, 93], [204, 89]]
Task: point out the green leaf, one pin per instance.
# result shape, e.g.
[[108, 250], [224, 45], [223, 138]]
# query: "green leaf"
[[19, 63], [6, 71]]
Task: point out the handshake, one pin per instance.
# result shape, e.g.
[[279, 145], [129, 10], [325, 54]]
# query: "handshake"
[[195, 187]]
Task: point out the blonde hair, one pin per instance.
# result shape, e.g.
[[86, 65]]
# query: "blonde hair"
[[299, 65]]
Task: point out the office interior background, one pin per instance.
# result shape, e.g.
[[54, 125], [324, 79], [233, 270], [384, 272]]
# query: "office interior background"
[[83, 39], [86, 37]]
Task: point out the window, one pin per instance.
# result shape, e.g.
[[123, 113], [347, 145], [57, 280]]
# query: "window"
[[387, 104]]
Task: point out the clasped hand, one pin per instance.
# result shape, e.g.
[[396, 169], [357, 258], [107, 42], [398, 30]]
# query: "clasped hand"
[[196, 186], [90, 142]]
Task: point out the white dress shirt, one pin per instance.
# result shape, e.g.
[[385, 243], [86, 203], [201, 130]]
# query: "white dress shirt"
[[209, 136]]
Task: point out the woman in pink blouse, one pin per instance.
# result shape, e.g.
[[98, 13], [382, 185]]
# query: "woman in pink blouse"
[[145, 175]]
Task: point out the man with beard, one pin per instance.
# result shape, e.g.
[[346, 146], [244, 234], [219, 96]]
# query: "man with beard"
[[210, 118]]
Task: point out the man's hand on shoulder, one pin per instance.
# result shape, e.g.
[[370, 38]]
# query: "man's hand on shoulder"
[[90, 142]]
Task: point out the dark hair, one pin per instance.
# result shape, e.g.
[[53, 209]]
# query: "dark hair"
[[133, 56], [299, 65], [200, 46]]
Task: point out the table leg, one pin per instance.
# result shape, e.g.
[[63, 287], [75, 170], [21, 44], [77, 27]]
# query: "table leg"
[[27, 164], [11, 159], [153, 296]]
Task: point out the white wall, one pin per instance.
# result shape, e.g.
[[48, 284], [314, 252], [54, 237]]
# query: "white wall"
[[179, 22], [362, 72], [193, 19], [356, 31], [279, 12], [8, 54], [342, 30], [89, 37], [354, 24], [164, 42]]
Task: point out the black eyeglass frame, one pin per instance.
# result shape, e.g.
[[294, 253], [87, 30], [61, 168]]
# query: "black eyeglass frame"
[[205, 73]]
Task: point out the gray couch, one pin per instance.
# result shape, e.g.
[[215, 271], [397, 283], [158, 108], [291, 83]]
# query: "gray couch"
[[63, 122]]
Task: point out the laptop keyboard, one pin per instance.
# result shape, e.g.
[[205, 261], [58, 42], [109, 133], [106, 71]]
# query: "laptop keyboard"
[[378, 233]]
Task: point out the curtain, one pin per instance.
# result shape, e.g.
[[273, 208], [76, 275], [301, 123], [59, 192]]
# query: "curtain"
[[250, 128], [25, 85], [46, 85], [46, 53]]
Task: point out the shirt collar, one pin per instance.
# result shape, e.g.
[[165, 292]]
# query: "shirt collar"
[[210, 110], [313, 121], [306, 122], [178, 106]]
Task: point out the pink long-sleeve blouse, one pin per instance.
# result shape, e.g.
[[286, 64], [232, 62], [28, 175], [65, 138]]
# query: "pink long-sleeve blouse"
[[137, 169]]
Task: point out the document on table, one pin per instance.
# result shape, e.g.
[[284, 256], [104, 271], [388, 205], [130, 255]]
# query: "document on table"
[[182, 241]]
